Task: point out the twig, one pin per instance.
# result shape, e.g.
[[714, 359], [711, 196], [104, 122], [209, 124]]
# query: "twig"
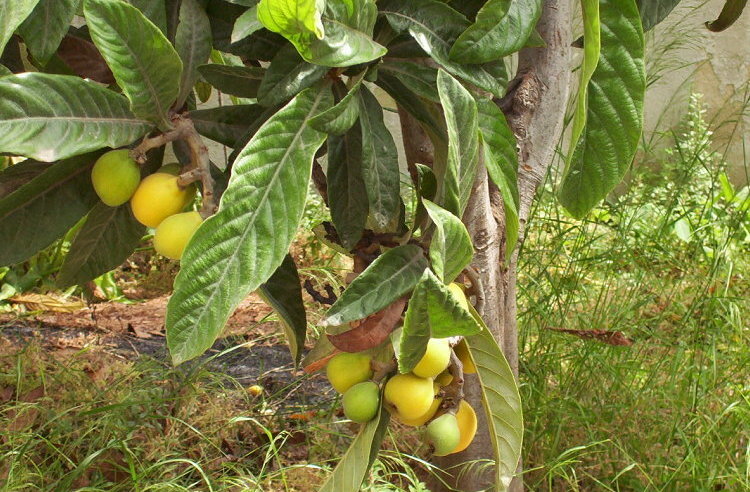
[[476, 289], [317, 296], [453, 393], [149, 143]]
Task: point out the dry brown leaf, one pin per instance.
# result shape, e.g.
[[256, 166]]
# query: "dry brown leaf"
[[616, 338], [372, 331]]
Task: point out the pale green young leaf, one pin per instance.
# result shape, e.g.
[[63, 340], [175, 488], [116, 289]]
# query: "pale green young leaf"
[[391, 275], [237, 249], [12, 14], [51, 117], [48, 23], [297, 20], [615, 111], [463, 141], [144, 63], [193, 44], [450, 248]]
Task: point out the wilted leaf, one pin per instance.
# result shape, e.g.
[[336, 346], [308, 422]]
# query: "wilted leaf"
[[371, 331], [616, 338]]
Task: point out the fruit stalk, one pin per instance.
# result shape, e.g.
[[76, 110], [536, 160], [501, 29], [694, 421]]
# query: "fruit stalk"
[[454, 391]]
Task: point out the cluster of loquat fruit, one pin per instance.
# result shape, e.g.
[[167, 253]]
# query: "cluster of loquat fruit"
[[414, 398], [157, 201]]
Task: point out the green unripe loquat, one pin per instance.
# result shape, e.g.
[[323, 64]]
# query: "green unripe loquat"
[[361, 402], [115, 177], [444, 434]]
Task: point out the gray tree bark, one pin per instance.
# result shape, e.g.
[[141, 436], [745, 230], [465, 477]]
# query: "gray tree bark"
[[535, 108]]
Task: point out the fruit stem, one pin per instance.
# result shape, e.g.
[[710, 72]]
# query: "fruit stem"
[[476, 289], [454, 391]]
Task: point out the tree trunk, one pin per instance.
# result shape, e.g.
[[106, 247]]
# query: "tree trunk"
[[535, 107]]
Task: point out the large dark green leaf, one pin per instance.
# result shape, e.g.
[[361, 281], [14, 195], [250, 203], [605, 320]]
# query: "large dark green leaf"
[[286, 76], [154, 10], [729, 14], [51, 117], [239, 248], [352, 469], [226, 124], [434, 312], [43, 30], [346, 188], [283, 293], [193, 44], [43, 209], [450, 248], [379, 163], [390, 276], [235, 81], [501, 401], [615, 111], [655, 11], [144, 63], [421, 79], [17, 175], [341, 117], [463, 142], [501, 161], [502, 27], [435, 26], [12, 14], [410, 101], [107, 238]]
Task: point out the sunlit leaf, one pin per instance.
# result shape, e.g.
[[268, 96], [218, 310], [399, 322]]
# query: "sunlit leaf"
[[12, 14], [246, 24], [450, 247]]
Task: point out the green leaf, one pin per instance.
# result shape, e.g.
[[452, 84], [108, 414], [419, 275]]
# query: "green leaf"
[[226, 124], [246, 24], [283, 293], [239, 248], [236, 81], [13, 13], [615, 111], [501, 401], [591, 51], [435, 26], [461, 118], [48, 23], [379, 156], [501, 161], [346, 187], [45, 208], [433, 312], [297, 20], [450, 248], [420, 79], [144, 63], [348, 35], [410, 102], [17, 175], [501, 28], [286, 76], [107, 238], [352, 469], [5, 71], [154, 10], [51, 117], [193, 44], [342, 116], [655, 11], [729, 14], [391, 275]]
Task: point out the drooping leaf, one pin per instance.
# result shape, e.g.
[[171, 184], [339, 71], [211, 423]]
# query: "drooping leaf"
[[107, 238], [226, 124], [239, 248], [144, 63], [655, 11], [501, 401], [12, 14], [286, 76], [450, 248], [461, 118], [153, 10], [346, 187], [348, 35], [379, 156], [501, 161], [371, 331], [436, 26], [433, 312], [297, 20], [47, 25], [45, 208], [729, 14], [389, 277], [502, 27], [591, 50], [283, 293], [615, 111], [246, 24], [352, 469], [193, 44], [84, 59], [421, 79], [51, 117], [236, 81], [341, 117]]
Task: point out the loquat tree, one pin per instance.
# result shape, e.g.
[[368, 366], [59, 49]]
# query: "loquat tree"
[[92, 91]]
